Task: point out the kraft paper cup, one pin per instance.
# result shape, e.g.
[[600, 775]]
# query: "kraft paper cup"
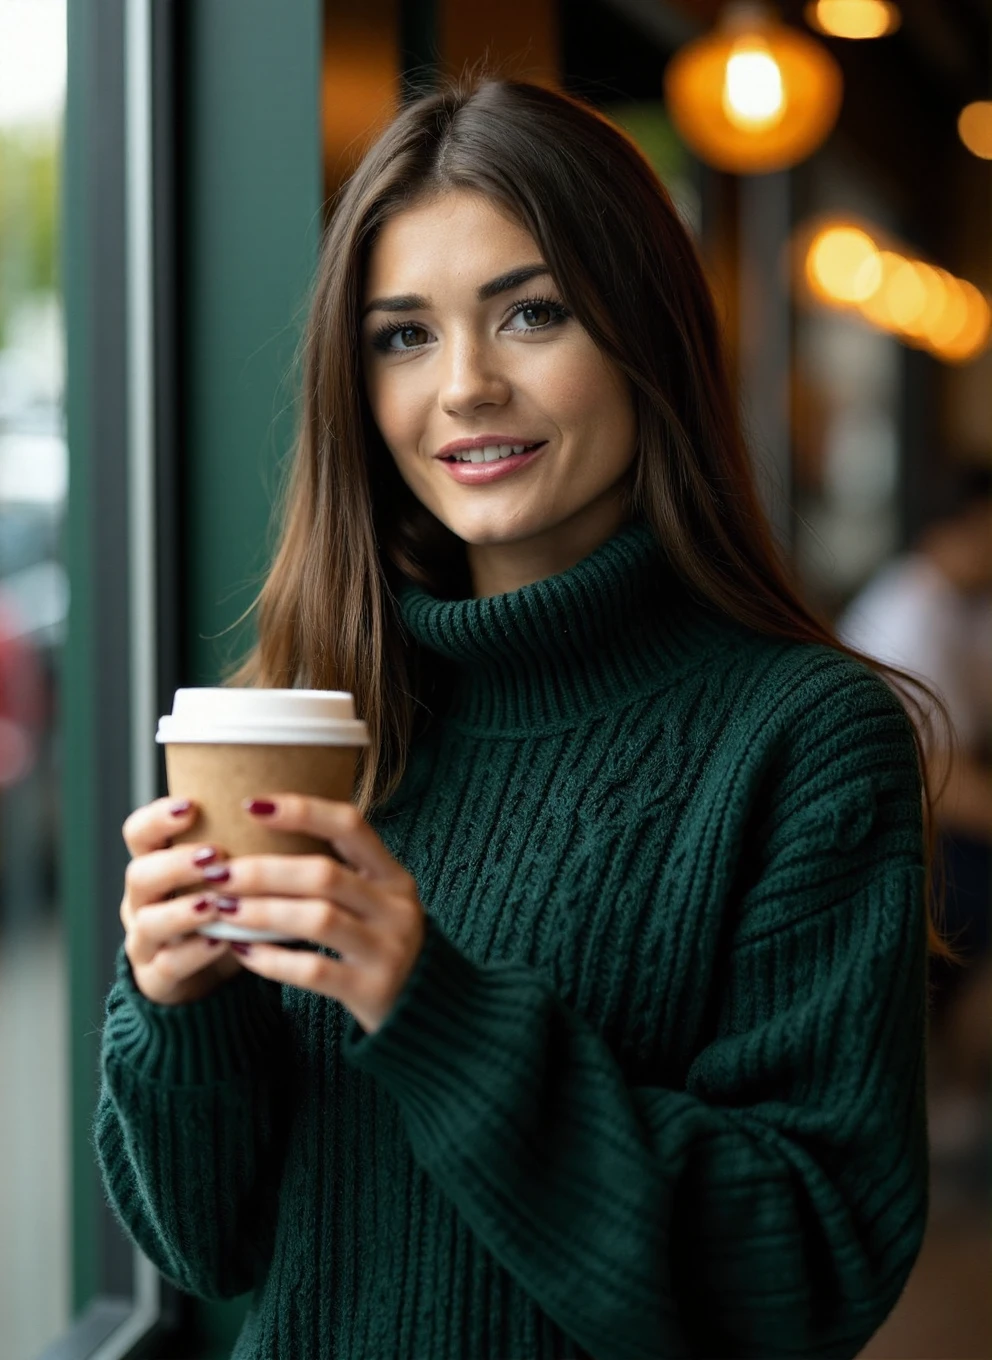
[[225, 745]]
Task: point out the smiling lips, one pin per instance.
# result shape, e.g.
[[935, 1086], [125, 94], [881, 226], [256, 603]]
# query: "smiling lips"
[[485, 462], [489, 453], [495, 445]]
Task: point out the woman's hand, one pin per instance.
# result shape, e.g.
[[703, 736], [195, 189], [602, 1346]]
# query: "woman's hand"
[[171, 964], [366, 909]]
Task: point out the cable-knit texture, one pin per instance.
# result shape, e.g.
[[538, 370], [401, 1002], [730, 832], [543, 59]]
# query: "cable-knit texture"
[[655, 1086]]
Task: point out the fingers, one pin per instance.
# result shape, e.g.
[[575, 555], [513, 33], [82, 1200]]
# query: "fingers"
[[154, 876], [171, 977], [311, 919], [185, 958], [152, 827], [315, 876], [315, 972], [369, 992], [339, 823], [155, 926]]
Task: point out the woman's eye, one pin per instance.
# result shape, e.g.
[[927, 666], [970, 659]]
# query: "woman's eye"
[[537, 316], [406, 337]]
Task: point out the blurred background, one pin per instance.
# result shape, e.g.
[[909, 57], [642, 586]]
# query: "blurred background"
[[165, 172]]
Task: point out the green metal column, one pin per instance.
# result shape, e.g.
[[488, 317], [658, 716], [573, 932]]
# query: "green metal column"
[[251, 179], [250, 183]]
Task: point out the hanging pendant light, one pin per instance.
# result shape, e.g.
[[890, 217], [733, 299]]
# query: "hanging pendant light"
[[752, 95]]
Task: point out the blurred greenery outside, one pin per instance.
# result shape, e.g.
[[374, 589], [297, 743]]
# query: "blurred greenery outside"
[[650, 128], [29, 203]]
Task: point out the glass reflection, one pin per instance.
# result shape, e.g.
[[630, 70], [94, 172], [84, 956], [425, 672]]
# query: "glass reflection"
[[34, 1209]]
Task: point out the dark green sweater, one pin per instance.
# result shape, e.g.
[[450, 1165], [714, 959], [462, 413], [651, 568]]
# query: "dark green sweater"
[[655, 1086]]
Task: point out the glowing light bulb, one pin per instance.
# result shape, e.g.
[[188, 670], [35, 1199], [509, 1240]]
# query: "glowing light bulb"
[[753, 94]]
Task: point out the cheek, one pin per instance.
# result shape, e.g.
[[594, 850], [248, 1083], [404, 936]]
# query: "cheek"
[[589, 394], [394, 410]]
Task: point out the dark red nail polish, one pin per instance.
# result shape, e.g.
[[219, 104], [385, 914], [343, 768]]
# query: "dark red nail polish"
[[205, 856], [217, 873], [180, 808], [202, 905], [260, 807], [227, 903], [240, 948], [211, 939]]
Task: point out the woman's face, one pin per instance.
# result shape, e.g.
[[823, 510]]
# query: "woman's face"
[[454, 348]]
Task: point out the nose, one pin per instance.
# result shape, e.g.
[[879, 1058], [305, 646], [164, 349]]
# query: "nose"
[[471, 377]]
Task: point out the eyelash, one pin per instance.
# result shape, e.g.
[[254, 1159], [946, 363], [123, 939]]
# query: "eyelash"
[[381, 338]]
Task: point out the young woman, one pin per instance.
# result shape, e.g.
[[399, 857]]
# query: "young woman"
[[613, 1041]]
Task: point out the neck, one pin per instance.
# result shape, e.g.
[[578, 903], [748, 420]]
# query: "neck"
[[562, 648]]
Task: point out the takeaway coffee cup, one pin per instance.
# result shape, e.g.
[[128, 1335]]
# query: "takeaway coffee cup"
[[225, 745]]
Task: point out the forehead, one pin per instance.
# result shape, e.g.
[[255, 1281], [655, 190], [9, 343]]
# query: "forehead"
[[458, 237]]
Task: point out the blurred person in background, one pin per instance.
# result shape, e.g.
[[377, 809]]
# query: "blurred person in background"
[[21, 698], [23, 713], [929, 611]]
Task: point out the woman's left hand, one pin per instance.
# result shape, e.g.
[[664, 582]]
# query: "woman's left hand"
[[367, 909]]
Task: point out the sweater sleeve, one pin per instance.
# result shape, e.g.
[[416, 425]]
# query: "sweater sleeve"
[[185, 1129], [773, 1204]]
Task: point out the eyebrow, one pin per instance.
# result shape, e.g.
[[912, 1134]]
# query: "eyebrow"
[[410, 302]]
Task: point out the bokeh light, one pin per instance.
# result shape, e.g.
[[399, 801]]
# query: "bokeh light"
[[973, 336], [843, 265], [975, 128], [853, 18], [753, 98], [905, 294], [753, 95], [953, 315], [848, 266]]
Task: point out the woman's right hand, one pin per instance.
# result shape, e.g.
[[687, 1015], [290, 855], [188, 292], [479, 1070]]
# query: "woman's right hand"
[[171, 965]]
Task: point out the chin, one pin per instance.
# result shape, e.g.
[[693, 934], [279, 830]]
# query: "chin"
[[484, 530]]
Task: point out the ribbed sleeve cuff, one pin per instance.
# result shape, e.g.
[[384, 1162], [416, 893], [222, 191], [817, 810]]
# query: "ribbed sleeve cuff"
[[435, 1052], [225, 1034]]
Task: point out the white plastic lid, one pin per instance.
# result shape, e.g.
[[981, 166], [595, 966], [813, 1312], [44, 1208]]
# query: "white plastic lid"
[[263, 717]]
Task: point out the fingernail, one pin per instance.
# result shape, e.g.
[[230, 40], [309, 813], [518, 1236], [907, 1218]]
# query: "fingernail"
[[212, 939], [203, 904], [179, 808], [217, 873], [204, 856], [259, 807], [240, 948], [227, 903]]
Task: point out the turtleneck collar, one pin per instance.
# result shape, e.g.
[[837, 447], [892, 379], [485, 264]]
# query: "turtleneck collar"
[[563, 647]]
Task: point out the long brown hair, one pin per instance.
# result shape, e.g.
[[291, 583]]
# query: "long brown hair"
[[629, 272]]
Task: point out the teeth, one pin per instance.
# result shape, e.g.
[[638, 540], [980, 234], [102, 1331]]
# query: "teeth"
[[489, 454]]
